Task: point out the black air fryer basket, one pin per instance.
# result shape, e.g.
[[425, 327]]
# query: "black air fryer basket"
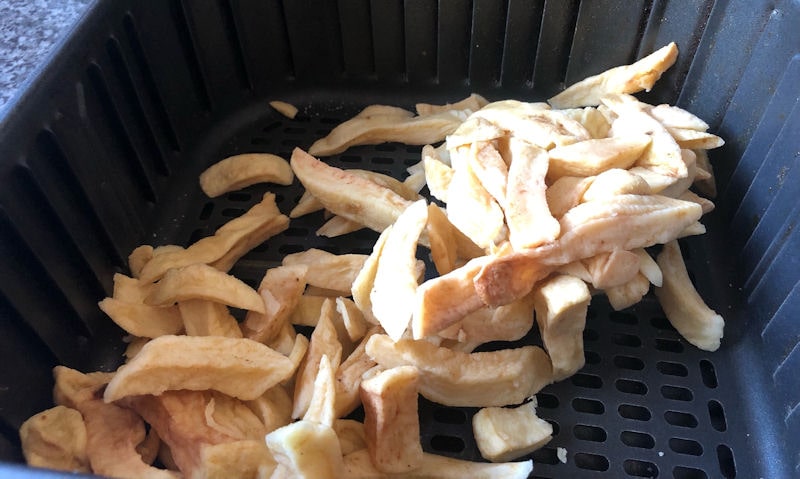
[[103, 150]]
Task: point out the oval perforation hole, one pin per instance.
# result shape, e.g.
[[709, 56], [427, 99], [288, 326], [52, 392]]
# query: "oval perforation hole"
[[547, 401], [686, 446], [296, 232], [239, 196], [630, 386], [589, 433], [587, 381], [205, 213], [591, 357], [669, 345], [447, 444], [623, 318], [726, 465], [589, 406], [546, 455], [638, 413], [592, 462], [677, 393], [449, 416], [628, 340], [380, 160], [232, 212], [386, 147], [634, 467], [681, 419], [682, 472], [350, 159], [411, 161], [637, 439], [708, 373], [628, 362], [672, 369], [717, 416]]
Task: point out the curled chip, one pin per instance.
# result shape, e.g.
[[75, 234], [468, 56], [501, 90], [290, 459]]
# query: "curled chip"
[[238, 367], [504, 434], [307, 449], [200, 281], [240, 171], [451, 378], [141, 319], [55, 439]]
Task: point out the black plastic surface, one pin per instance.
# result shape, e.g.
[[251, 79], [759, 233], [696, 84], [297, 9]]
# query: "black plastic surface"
[[103, 153]]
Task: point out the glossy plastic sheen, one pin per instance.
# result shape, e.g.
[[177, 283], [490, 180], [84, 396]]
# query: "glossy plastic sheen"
[[103, 151]]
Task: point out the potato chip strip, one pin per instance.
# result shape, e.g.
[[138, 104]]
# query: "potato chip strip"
[[368, 129], [286, 109], [240, 171], [200, 281], [347, 194], [349, 374], [496, 378], [633, 78], [328, 270], [490, 168], [261, 221], [534, 123], [237, 367], [362, 285], [527, 213], [592, 157], [628, 294], [306, 449], [280, 290], [675, 117], [395, 284], [138, 258], [473, 102], [141, 319], [55, 439], [321, 407], [207, 318], [338, 226]]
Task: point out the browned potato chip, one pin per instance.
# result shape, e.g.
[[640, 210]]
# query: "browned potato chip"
[[496, 378], [327, 270], [207, 318], [362, 285], [307, 204], [200, 281], [351, 435], [141, 319], [280, 289], [274, 407], [510, 322], [286, 109], [238, 367], [241, 459], [323, 397], [349, 374], [240, 171], [391, 422], [138, 258], [352, 317]]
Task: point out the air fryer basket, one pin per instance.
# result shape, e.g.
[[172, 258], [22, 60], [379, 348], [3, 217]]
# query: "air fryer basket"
[[103, 150]]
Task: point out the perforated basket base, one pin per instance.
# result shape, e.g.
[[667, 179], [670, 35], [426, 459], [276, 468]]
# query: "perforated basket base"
[[646, 404]]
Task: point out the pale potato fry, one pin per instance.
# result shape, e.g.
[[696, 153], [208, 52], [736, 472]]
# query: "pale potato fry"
[[504, 434], [474, 129], [274, 407], [473, 102], [358, 465], [705, 186], [648, 267], [138, 258], [73, 387], [664, 154], [370, 129], [470, 207], [612, 269], [351, 435], [576, 269], [527, 213], [246, 459], [437, 174], [701, 140], [307, 204], [141, 319], [349, 375], [674, 117], [593, 156], [496, 378], [323, 397], [285, 341], [399, 187], [307, 310], [286, 109], [280, 290], [561, 303], [55, 439], [328, 270], [510, 322], [347, 194], [352, 317], [706, 204], [338, 226], [615, 182], [592, 119], [232, 417], [628, 294], [684, 308], [632, 78], [239, 367], [490, 168], [566, 193], [362, 285], [308, 450], [415, 181], [440, 234], [391, 422], [200, 281], [296, 355], [395, 283], [207, 318], [134, 346], [324, 342], [227, 244], [240, 171], [682, 185], [130, 290], [694, 229]]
